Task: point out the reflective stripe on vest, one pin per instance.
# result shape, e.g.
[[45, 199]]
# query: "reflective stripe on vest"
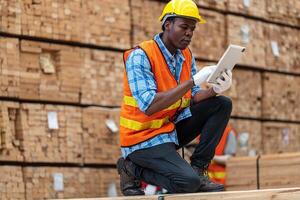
[[130, 101], [138, 126], [216, 175]]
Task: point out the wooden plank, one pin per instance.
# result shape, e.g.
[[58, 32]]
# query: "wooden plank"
[[275, 194], [241, 173], [251, 34], [251, 128], [101, 145], [279, 170], [282, 104], [268, 194], [69, 182]]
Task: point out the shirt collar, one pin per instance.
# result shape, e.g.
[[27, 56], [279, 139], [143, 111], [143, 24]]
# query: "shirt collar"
[[168, 56]]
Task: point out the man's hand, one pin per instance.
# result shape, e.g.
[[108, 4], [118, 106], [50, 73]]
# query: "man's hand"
[[203, 74], [223, 82]]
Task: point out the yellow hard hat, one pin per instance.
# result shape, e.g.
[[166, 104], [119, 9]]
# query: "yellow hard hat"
[[181, 8]]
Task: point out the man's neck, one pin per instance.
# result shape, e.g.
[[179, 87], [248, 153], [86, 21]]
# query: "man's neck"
[[166, 42]]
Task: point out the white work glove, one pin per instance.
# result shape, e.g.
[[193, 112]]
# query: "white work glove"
[[203, 74], [223, 82]]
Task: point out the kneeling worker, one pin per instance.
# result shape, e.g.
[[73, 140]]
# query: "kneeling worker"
[[164, 108]]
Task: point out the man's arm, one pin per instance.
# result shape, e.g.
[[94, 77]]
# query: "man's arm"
[[204, 94], [163, 100]]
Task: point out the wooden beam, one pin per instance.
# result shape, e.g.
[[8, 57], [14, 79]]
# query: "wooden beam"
[[268, 194]]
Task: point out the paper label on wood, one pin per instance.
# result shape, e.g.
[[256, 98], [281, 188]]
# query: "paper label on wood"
[[275, 48], [111, 125], [245, 34], [47, 64], [246, 3], [52, 120], [112, 190], [58, 180]]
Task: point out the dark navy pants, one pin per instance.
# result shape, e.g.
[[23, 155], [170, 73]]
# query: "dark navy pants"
[[162, 166]]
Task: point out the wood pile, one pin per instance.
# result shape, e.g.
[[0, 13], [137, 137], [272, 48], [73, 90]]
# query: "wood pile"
[[11, 183], [101, 143], [274, 171], [98, 22], [281, 97], [241, 173], [279, 170], [251, 8], [250, 34], [58, 182]]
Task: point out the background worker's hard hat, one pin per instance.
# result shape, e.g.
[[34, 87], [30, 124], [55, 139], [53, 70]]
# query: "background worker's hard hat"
[[181, 8]]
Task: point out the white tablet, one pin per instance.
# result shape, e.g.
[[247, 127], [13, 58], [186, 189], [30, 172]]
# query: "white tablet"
[[231, 56]]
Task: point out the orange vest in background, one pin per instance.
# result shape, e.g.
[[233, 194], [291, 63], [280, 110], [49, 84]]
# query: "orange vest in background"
[[137, 127], [216, 171]]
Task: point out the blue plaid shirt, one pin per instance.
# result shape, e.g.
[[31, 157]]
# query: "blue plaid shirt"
[[143, 88]]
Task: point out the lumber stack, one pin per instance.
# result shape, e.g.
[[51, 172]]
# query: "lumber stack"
[[9, 57], [11, 136], [280, 137], [55, 182], [266, 171], [101, 145], [254, 7], [64, 21], [281, 97], [249, 33], [11, 183], [279, 170], [241, 173], [249, 136]]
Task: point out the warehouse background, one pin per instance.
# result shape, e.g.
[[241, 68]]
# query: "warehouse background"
[[62, 75]]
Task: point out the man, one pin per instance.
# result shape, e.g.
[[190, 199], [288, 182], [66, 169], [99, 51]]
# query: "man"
[[163, 109]]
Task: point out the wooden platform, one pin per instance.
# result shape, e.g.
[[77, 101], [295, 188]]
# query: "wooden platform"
[[268, 194]]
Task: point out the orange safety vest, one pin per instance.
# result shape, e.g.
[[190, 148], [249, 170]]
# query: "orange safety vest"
[[216, 171], [137, 127]]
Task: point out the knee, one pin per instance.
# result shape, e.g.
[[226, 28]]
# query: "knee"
[[225, 102]]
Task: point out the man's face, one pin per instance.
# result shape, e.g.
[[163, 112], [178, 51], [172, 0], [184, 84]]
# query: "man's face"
[[180, 32]]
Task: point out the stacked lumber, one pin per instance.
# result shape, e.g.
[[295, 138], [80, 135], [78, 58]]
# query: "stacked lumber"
[[280, 137], [246, 93], [145, 21], [60, 73], [10, 135], [65, 21], [251, 34], [66, 182], [286, 12], [9, 67], [49, 72], [102, 78], [100, 135], [280, 97], [51, 133], [209, 40], [249, 136], [241, 173], [251, 8], [221, 5], [11, 183], [10, 16], [282, 49], [279, 170]]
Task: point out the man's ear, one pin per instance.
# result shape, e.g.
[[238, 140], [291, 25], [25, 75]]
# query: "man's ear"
[[168, 25]]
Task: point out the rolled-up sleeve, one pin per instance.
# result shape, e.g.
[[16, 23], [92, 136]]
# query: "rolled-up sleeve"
[[140, 79], [195, 88]]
